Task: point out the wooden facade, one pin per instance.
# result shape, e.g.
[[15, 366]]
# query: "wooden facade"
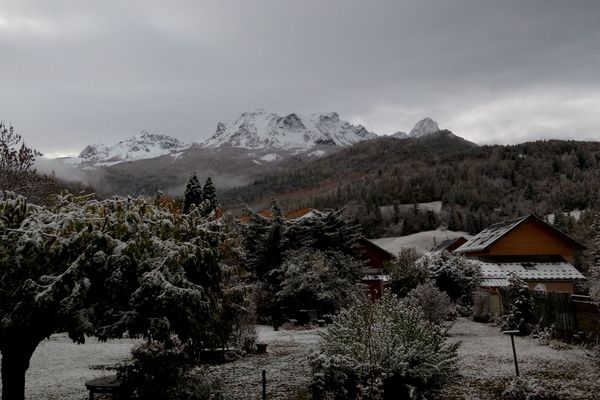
[[528, 240], [533, 237]]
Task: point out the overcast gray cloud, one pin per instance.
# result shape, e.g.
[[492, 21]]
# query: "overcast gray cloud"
[[79, 72]]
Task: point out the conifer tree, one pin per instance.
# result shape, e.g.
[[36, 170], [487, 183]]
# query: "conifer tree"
[[209, 194], [193, 194]]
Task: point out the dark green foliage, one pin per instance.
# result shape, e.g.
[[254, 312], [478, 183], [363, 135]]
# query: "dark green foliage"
[[101, 269], [209, 194], [268, 240], [193, 195], [485, 184], [162, 371], [405, 273], [315, 279], [520, 314], [453, 274]]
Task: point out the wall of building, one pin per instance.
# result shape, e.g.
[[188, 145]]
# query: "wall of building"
[[554, 286]]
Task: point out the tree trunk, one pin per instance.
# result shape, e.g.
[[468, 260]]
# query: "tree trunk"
[[15, 363]]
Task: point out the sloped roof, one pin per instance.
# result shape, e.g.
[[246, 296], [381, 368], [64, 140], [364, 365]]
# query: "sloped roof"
[[446, 244], [493, 233], [530, 268]]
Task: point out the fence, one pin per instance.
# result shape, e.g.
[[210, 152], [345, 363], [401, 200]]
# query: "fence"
[[565, 313]]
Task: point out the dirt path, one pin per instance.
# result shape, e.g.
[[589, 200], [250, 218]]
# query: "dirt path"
[[286, 363], [486, 364]]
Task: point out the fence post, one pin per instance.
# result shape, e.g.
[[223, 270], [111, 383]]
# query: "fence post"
[[512, 341], [264, 384]]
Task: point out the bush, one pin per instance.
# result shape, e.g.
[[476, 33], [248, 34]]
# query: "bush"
[[163, 371], [453, 274], [435, 304], [405, 273], [527, 389], [519, 316], [382, 350], [321, 280]]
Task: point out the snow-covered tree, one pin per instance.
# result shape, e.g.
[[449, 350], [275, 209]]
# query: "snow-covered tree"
[[209, 194], [315, 279], [406, 273], [453, 274], [520, 313], [382, 350], [436, 305], [193, 194], [100, 268]]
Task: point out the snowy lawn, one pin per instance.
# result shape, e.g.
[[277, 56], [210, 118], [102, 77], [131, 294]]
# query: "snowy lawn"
[[286, 363], [487, 365], [59, 367]]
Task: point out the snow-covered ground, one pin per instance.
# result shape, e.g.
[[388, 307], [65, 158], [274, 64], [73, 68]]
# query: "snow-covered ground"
[[59, 367], [486, 365], [421, 241]]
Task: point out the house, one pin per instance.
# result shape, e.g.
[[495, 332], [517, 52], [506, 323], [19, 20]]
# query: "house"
[[529, 247], [375, 257]]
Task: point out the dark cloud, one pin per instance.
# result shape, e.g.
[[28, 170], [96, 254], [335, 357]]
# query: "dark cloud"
[[78, 72]]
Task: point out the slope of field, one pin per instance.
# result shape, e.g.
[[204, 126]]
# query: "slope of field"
[[422, 241]]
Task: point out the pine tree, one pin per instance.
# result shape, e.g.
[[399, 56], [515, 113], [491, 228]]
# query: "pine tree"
[[209, 194], [193, 194]]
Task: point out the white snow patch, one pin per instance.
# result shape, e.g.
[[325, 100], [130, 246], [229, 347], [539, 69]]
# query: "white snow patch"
[[421, 241], [317, 153], [271, 157]]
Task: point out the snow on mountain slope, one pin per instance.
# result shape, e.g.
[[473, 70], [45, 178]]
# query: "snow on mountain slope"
[[424, 127], [259, 129], [141, 146]]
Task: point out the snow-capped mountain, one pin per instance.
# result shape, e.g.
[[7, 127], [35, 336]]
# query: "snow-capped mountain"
[[424, 127], [141, 146], [400, 135], [259, 129]]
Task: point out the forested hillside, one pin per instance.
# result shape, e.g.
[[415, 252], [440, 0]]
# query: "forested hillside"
[[478, 185]]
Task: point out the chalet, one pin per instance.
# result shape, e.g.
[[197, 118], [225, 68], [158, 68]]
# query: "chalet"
[[375, 257], [537, 252]]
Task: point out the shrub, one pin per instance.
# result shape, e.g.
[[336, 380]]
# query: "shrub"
[[453, 274], [382, 350], [527, 389], [162, 371], [321, 280], [519, 315], [405, 273], [435, 304]]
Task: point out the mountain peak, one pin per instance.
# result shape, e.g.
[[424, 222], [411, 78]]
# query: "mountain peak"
[[260, 129], [424, 127], [137, 147]]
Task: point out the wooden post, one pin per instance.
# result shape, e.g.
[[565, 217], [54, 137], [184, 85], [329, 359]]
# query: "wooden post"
[[512, 341], [264, 384]]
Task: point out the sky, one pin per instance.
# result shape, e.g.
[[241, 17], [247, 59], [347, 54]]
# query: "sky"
[[78, 72]]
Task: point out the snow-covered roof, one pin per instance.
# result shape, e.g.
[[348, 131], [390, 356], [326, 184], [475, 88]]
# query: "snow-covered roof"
[[489, 235], [531, 268], [494, 232], [494, 283]]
